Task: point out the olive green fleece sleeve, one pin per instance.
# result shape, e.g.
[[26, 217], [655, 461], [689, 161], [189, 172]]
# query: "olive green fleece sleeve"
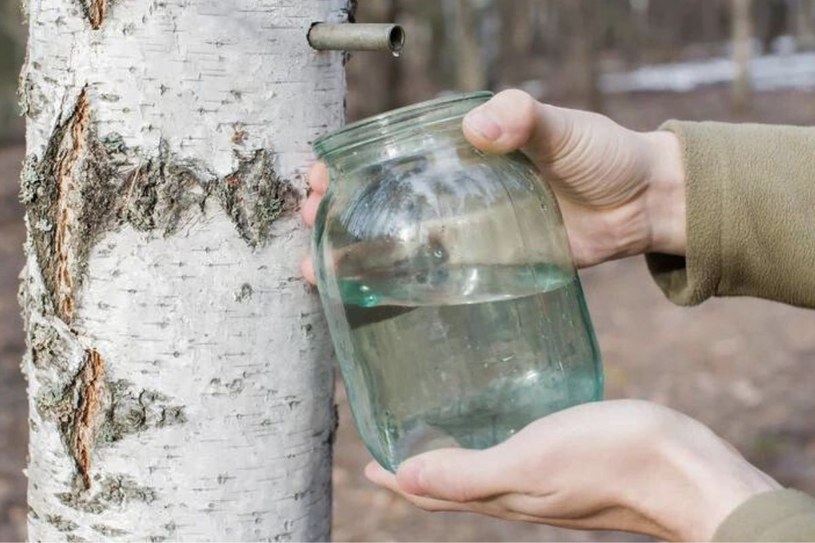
[[750, 214], [780, 515]]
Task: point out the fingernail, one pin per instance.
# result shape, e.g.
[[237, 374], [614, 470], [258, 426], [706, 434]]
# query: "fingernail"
[[410, 476], [481, 120]]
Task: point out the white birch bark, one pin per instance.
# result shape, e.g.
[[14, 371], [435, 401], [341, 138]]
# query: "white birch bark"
[[179, 374]]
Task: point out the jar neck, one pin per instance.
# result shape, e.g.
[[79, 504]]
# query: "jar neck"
[[440, 139], [415, 129]]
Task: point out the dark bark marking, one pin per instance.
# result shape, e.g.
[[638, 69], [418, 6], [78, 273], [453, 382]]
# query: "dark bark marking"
[[48, 349], [232, 388], [254, 196], [113, 490], [91, 412], [134, 411], [108, 530], [245, 293], [158, 192], [351, 11], [335, 424], [61, 524], [30, 98]]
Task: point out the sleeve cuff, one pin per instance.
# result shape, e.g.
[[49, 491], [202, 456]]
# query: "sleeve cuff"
[[692, 279], [779, 515]]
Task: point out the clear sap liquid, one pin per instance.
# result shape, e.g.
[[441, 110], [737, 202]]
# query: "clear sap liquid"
[[451, 363]]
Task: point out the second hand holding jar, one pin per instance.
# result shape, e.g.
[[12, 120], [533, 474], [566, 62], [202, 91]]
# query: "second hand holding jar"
[[450, 291]]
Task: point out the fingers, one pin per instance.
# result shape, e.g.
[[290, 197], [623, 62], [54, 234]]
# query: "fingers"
[[318, 178], [380, 476], [309, 208], [503, 124], [514, 120], [307, 269], [456, 475], [318, 183]]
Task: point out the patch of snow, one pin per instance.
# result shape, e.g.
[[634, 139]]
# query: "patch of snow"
[[767, 72]]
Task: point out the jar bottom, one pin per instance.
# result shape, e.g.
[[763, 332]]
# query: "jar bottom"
[[474, 374]]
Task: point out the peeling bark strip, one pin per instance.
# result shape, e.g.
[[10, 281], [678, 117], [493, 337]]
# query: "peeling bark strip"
[[69, 195], [95, 11], [67, 159], [80, 410], [91, 396]]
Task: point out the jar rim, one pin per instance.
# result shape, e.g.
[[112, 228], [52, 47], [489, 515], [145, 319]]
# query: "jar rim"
[[378, 127]]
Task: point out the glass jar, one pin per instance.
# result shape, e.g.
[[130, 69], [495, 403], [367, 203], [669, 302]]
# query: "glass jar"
[[448, 284]]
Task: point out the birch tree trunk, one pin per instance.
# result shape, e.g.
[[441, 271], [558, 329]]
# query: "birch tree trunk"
[[179, 377]]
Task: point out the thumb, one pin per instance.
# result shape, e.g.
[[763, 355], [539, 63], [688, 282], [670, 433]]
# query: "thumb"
[[457, 475], [512, 120]]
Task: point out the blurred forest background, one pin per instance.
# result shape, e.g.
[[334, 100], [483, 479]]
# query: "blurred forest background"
[[744, 367]]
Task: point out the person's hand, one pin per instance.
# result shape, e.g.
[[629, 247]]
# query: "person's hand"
[[621, 192], [617, 465], [318, 185]]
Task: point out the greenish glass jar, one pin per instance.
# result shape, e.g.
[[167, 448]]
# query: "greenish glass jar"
[[448, 284]]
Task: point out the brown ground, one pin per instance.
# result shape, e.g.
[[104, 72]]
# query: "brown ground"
[[13, 407], [745, 367]]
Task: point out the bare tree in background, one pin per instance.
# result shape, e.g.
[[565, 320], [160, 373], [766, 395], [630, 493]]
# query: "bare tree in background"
[[583, 19], [742, 33], [805, 23], [470, 69], [711, 14], [179, 376], [522, 24], [518, 19], [11, 53]]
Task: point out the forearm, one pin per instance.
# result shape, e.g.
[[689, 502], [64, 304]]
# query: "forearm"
[[665, 197]]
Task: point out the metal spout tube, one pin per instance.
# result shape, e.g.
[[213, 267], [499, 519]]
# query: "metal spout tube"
[[356, 37]]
